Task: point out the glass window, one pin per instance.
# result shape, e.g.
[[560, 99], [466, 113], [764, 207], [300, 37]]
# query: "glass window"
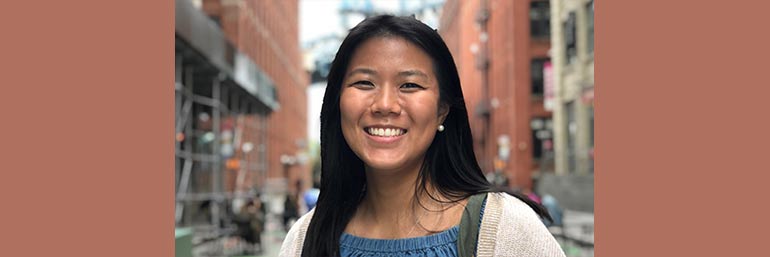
[[536, 69], [540, 19], [571, 136], [590, 24], [570, 37]]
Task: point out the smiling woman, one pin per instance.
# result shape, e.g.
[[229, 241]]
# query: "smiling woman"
[[398, 175], [389, 106]]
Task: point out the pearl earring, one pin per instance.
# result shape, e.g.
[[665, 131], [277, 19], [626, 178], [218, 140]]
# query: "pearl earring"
[[440, 128]]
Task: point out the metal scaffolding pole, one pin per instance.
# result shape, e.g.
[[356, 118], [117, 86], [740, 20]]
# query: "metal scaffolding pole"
[[178, 95], [216, 170], [187, 84]]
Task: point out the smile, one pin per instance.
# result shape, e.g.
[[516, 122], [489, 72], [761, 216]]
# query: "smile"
[[385, 132]]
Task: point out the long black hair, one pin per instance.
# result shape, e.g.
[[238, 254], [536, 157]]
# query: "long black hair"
[[450, 164]]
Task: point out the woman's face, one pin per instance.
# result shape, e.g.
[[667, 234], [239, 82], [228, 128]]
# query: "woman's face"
[[389, 104]]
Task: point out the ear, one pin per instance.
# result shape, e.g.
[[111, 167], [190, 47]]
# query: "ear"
[[443, 111]]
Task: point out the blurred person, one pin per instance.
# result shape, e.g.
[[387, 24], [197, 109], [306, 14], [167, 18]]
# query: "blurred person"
[[250, 221], [548, 202], [531, 192], [399, 176], [532, 196], [552, 205], [290, 210], [311, 197]]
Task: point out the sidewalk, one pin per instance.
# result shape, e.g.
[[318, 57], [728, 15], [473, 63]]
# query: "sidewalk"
[[576, 236], [272, 239]]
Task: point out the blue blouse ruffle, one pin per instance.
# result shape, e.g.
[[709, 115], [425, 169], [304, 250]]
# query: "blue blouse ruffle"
[[442, 244]]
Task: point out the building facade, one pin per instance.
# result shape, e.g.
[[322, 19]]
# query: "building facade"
[[572, 28], [268, 32], [240, 108], [500, 48]]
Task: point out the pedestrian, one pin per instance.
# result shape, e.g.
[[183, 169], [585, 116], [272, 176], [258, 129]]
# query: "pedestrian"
[[552, 205], [311, 197], [290, 210], [532, 196], [399, 176], [250, 221]]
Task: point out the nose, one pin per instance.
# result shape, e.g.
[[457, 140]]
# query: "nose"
[[386, 102]]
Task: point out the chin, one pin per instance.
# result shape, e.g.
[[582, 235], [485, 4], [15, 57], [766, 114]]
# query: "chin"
[[383, 165], [389, 164]]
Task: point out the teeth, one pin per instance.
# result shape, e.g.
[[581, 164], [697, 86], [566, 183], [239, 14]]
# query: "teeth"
[[388, 132]]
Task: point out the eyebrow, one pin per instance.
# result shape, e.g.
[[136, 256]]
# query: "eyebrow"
[[405, 73], [362, 70], [408, 73]]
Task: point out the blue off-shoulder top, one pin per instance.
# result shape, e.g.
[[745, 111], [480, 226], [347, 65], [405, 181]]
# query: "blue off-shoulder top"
[[442, 244]]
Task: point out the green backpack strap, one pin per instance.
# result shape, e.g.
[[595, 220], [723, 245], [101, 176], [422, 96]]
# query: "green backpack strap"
[[469, 226]]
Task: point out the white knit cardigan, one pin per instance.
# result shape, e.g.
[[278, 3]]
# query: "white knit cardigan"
[[508, 228]]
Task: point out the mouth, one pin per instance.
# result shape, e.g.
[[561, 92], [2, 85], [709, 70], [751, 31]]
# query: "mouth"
[[385, 131]]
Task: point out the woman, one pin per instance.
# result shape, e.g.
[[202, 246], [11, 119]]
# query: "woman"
[[399, 176]]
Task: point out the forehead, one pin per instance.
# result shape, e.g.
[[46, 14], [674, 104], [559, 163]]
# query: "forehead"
[[391, 53]]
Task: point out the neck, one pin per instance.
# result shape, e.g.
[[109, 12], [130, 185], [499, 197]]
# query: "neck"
[[389, 195], [390, 210]]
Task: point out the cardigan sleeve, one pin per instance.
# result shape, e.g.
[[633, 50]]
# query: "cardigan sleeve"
[[292, 243], [521, 232]]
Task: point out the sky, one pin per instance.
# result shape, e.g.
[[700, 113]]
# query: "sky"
[[317, 18]]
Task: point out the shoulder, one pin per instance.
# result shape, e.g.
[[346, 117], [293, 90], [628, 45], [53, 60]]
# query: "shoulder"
[[519, 229], [513, 206], [295, 238]]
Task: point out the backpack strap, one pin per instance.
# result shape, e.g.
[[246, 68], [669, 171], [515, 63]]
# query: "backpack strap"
[[469, 226]]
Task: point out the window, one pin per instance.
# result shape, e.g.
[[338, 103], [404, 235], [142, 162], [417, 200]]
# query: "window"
[[536, 125], [590, 25], [540, 19], [570, 37], [542, 143], [536, 69], [569, 110], [591, 138]]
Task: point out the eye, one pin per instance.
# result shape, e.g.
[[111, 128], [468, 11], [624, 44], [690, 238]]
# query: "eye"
[[411, 87], [363, 84]]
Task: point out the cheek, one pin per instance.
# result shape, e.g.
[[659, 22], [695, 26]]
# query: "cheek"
[[349, 112], [425, 112]]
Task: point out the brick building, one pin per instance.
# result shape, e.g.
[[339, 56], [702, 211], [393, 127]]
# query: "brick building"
[[500, 48], [240, 108], [268, 32]]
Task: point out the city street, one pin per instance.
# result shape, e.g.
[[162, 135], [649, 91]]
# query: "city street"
[[273, 237], [250, 79]]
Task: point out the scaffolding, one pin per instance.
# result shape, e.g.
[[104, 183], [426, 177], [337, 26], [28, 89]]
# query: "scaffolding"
[[222, 104]]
